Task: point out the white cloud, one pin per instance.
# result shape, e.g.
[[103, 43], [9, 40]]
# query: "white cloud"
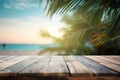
[[20, 4]]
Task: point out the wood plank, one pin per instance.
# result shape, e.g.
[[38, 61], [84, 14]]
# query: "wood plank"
[[3, 56], [36, 66], [116, 58], [20, 65], [6, 58], [76, 68], [104, 59], [106, 63], [108, 59], [59, 66], [14, 69], [95, 67], [12, 61], [56, 67]]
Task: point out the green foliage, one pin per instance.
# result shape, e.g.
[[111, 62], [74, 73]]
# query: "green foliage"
[[86, 19], [45, 34]]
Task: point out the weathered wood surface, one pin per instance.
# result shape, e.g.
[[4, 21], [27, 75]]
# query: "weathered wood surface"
[[73, 67]]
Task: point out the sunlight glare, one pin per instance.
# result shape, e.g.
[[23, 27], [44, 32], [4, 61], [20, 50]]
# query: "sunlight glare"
[[54, 25]]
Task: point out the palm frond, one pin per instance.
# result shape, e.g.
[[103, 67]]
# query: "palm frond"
[[102, 16]]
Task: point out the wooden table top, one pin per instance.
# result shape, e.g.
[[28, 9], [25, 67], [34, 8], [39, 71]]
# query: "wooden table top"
[[59, 65]]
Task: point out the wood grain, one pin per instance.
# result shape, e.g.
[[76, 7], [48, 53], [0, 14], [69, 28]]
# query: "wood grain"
[[109, 59], [113, 57], [105, 62], [95, 67], [12, 61], [67, 67], [6, 58], [34, 66], [20, 65], [56, 66], [76, 68]]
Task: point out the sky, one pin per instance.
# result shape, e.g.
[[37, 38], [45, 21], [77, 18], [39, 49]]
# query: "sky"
[[22, 20]]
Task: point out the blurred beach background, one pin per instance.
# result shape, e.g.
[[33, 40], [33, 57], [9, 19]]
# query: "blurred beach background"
[[24, 49], [67, 27], [21, 22]]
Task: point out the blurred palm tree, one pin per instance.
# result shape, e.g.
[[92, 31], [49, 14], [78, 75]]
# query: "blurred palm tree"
[[77, 35], [59, 41], [100, 16]]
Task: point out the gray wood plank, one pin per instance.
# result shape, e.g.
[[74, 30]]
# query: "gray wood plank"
[[76, 68], [116, 58], [20, 65], [14, 69], [108, 59], [105, 62], [34, 68], [3, 56], [6, 58], [56, 67], [95, 67], [113, 57], [12, 61]]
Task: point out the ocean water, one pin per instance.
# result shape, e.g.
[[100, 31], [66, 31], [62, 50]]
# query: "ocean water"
[[26, 46]]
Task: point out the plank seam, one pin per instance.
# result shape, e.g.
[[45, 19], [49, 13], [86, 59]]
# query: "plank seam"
[[67, 66], [105, 66], [99, 64]]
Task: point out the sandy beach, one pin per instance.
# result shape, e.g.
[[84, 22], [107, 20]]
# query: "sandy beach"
[[16, 52], [7, 52]]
